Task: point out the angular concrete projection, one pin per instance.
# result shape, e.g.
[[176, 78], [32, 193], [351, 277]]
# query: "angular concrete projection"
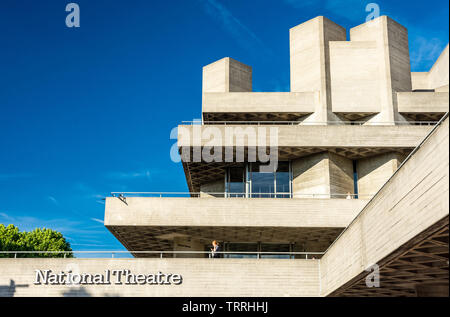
[[373, 172], [144, 223], [355, 79], [437, 78], [327, 174], [403, 229], [258, 106], [201, 277], [310, 62], [227, 75], [423, 106], [375, 65]]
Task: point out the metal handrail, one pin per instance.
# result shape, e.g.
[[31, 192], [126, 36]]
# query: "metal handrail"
[[161, 253], [365, 123], [233, 195]]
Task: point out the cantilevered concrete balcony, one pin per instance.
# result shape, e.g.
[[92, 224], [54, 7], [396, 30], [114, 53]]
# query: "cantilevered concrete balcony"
[[152, 223], [258, 106], [293, 142], [419, 106]]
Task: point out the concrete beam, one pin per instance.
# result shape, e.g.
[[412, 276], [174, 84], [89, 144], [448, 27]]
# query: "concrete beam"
[[311, 136], [423, 102], [260, 102]]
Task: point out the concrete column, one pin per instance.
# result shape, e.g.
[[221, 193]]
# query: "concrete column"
[[322, 175], [341, 175], [310, 62], [374, 171], [188, 244], [432, 290], [393, 64], [227, 75], [217, 186]]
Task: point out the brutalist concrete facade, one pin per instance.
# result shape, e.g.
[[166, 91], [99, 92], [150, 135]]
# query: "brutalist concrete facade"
[[361, 180]]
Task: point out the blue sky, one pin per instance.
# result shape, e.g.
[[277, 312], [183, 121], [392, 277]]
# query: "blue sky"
[[88, 111]]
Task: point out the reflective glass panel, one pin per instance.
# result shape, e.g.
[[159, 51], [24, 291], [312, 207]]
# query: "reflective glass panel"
[[236, 182], [263, 184], [275, 247], [241, 247], [283, 180]]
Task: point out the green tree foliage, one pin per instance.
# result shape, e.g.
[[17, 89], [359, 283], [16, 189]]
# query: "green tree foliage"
[[11, 239]]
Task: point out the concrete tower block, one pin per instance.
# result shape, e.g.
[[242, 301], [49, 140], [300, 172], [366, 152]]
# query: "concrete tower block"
[[374, 171], [227, 75], [322, 175], [310, 62], [392, 60]]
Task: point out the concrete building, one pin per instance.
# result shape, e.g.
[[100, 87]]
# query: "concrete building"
[[359, 182]]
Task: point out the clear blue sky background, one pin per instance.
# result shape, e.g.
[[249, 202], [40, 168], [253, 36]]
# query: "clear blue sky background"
[[88, 111]]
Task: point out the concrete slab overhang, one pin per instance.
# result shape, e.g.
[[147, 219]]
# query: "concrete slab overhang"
[[293, 141], [403, 230], [258, 106], [423, 106], [145, 223]]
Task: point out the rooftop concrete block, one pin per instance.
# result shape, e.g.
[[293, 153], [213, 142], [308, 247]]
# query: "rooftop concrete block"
[[227, 75], [310, 61]]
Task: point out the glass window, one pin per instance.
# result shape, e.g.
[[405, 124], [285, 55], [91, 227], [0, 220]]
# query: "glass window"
[[283, 180], [262, 183], [270, 184], [275, 247], [236, 182], [241, 247]]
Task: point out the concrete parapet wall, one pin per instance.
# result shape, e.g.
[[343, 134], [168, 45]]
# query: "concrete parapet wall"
[[414, 199], [201, 277], [239, 212]]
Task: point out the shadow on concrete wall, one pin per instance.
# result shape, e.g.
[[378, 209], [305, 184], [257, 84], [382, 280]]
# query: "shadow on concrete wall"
[[82, 292], [10, 290]]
